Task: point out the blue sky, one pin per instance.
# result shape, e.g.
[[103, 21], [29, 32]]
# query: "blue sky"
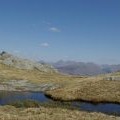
[[80, 30]]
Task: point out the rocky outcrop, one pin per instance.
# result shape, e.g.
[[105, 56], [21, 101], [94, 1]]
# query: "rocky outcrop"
[[25, 85], [112, 78], [19, 63]]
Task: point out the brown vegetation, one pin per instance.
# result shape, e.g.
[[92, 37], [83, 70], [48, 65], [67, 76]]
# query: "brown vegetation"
[[93, 89], [44, 113]]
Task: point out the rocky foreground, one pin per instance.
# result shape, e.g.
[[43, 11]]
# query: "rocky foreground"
[[25, 85]]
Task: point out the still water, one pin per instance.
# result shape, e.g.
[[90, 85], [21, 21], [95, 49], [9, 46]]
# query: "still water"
[[10, 97], [108, 108]]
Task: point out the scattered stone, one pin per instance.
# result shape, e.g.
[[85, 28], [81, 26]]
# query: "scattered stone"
[[111, 78]]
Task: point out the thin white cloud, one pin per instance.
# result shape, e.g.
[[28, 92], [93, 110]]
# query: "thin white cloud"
[[44, 44], [54, 29]]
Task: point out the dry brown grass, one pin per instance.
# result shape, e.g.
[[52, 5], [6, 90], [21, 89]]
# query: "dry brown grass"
[[9, 73], [93, 89], [43, 113]]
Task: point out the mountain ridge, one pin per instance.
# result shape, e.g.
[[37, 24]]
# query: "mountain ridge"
[[82, 68], [20, 63]]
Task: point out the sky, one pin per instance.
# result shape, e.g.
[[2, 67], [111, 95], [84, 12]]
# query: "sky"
[[51, 30]]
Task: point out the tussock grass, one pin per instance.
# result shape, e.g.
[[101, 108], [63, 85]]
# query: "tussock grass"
[[93, 89], [43, 113], [37, 104]]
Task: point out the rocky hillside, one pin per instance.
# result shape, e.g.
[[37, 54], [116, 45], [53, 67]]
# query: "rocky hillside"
[[16, 62]]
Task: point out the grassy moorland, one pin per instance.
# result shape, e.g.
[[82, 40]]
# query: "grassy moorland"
[[47, 113], [35, 76], [94, 89]]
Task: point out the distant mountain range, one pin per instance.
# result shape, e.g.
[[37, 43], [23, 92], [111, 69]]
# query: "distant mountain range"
[[81, 68], [65, 67]]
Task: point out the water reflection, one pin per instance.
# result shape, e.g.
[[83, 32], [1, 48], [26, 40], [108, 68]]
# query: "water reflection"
[[108, 108], [9, 97]]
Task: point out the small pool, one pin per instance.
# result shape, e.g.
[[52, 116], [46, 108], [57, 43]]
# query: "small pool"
[[9, 97], [107, 108]]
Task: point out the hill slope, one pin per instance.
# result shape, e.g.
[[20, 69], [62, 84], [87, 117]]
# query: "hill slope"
[[13, 61]]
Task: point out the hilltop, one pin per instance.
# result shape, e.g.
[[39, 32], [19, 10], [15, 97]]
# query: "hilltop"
[[25, 64]]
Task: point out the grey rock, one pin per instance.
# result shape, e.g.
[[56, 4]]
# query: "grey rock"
[[25, 85], [112, 78]]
